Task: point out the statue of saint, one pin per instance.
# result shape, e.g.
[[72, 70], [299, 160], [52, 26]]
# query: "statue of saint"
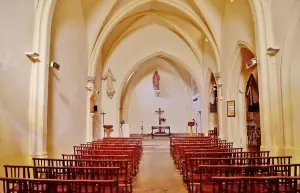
[[92, 103], [155, 80], [110, 91]]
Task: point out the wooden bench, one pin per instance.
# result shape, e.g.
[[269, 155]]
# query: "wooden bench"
[[193, 163], [131, 153], [204, 173], [126, 172], [187, 155], [21, 185], [274, 184]]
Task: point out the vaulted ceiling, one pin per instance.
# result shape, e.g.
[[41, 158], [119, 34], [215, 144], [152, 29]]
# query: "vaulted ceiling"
[[192, 20]]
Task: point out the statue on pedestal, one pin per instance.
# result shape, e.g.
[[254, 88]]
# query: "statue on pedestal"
[[110, 91], [92, 103], [155, 80]]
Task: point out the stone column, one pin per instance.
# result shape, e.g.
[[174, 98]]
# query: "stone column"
[[220, 106], [89, 114], [39, 80]]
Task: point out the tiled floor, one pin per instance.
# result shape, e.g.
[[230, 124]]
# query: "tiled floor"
[[157, 172]]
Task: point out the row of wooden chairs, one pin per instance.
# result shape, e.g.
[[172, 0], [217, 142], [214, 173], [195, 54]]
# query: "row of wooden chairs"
[[102, 166], [207, 165]]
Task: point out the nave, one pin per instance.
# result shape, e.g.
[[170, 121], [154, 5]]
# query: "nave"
[[157, 173], [112, 165]]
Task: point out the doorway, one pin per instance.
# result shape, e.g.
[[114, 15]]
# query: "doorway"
[[249, 78], [252, 114]]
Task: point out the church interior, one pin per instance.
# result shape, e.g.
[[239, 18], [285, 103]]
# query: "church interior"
[[149, 96]]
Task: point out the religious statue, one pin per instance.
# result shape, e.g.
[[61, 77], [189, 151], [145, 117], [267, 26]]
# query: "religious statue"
[[92, 103], [155, 80], [110, 91]]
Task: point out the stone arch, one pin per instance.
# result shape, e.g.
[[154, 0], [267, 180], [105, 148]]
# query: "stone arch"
[[175, 29], [39, 77], [213, 119], [237, 91], [133, 5], [135, 68]]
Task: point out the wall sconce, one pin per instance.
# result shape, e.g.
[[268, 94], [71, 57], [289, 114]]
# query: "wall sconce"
[[272, 51], [251, 62], [54, 65], [88, 87], [220, 84], [91, 79], [33, 56]]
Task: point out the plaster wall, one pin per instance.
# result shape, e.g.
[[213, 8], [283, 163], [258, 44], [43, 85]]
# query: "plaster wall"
[[16, 37], [67, 93], [175, 98], [145, 42], [237, 26]]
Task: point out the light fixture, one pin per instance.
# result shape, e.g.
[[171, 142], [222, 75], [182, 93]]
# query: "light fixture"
[[272, 51], [88, 87], [54, 65], [218, 84], [231, 1], [91, 79], [251, 63], [33, 56]]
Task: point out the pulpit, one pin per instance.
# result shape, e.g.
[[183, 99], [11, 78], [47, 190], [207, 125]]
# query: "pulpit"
[[108, 129], [191, 124]]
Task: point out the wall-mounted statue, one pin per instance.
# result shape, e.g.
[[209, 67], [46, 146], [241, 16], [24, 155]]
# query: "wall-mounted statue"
[[155, 80], [92, 103], [110, 91]]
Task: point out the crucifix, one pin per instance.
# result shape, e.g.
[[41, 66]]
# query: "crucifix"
[[103, 114], [159, 112]]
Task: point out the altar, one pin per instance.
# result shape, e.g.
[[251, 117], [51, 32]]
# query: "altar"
[[160, 130]]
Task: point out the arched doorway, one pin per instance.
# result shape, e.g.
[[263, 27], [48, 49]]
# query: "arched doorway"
[[252, 114], [213, 105], [249, 80]]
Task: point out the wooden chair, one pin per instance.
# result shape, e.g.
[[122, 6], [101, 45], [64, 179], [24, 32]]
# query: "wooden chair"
[[58, 186], [270, 184]]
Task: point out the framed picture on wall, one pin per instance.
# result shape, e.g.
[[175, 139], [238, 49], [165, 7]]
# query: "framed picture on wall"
[[230, 108]]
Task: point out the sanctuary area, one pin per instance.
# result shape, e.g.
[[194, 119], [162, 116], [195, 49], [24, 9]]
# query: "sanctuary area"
[[149, 96]]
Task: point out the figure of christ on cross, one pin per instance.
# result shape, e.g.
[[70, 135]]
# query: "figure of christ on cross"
[[159, 112]]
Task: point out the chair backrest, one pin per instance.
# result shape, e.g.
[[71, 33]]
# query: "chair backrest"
[[256, 184], [22, 185], [62, 172]]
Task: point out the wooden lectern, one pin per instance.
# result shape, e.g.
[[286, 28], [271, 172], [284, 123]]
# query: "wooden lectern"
[[191, 124], [108, 129]]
